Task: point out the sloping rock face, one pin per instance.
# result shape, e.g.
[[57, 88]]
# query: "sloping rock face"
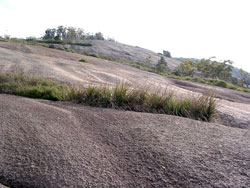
[[233, 106], [55, 144], [126, 52]]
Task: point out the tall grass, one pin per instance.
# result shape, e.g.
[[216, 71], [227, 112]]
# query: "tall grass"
[[33, 87], [124, 98], [121, 97]]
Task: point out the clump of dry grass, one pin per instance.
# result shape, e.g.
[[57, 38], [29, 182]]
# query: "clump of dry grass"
[[125, 98]]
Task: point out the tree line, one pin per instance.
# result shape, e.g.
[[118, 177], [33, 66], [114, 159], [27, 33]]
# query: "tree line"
[[210, 68], [70, 34], [207, 67]]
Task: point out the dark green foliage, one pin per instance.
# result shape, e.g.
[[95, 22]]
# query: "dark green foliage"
[[221, 83], [64, 42], [53, 46], [51, 41]]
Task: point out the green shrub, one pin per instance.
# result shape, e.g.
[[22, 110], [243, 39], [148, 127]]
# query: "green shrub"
[[221, 83], [91, 54], [61, 48], [83, 60], [79, 43]]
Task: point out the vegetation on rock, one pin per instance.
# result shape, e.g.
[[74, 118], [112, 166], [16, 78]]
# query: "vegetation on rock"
[[119, 97], [162, 65]]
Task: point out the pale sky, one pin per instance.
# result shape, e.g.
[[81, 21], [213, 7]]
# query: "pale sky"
[[186, 28]]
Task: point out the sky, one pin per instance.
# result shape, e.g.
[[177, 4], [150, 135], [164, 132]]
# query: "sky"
[[186, 28]]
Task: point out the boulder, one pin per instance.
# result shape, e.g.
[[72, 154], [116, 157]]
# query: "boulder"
[[167, 54]]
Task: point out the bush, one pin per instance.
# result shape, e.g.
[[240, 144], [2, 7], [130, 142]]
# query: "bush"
[[52, 46], [91, 54], [162, 65], [83, 60], [221, 83], [31, 39]]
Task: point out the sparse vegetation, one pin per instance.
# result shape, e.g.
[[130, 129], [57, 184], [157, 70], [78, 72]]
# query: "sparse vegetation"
[[133, 64], [220, 72], [213, 82], [120, 97], [162, 68]]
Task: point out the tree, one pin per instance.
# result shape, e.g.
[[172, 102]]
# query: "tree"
[[245, 78], [187, 68], [80, 34], [71, 33], [99, 36], [49, 34], [162, 65], [214, 69], [61, 32]]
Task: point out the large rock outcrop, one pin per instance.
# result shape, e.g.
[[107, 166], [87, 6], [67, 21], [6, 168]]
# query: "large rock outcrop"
[[55, 144]]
